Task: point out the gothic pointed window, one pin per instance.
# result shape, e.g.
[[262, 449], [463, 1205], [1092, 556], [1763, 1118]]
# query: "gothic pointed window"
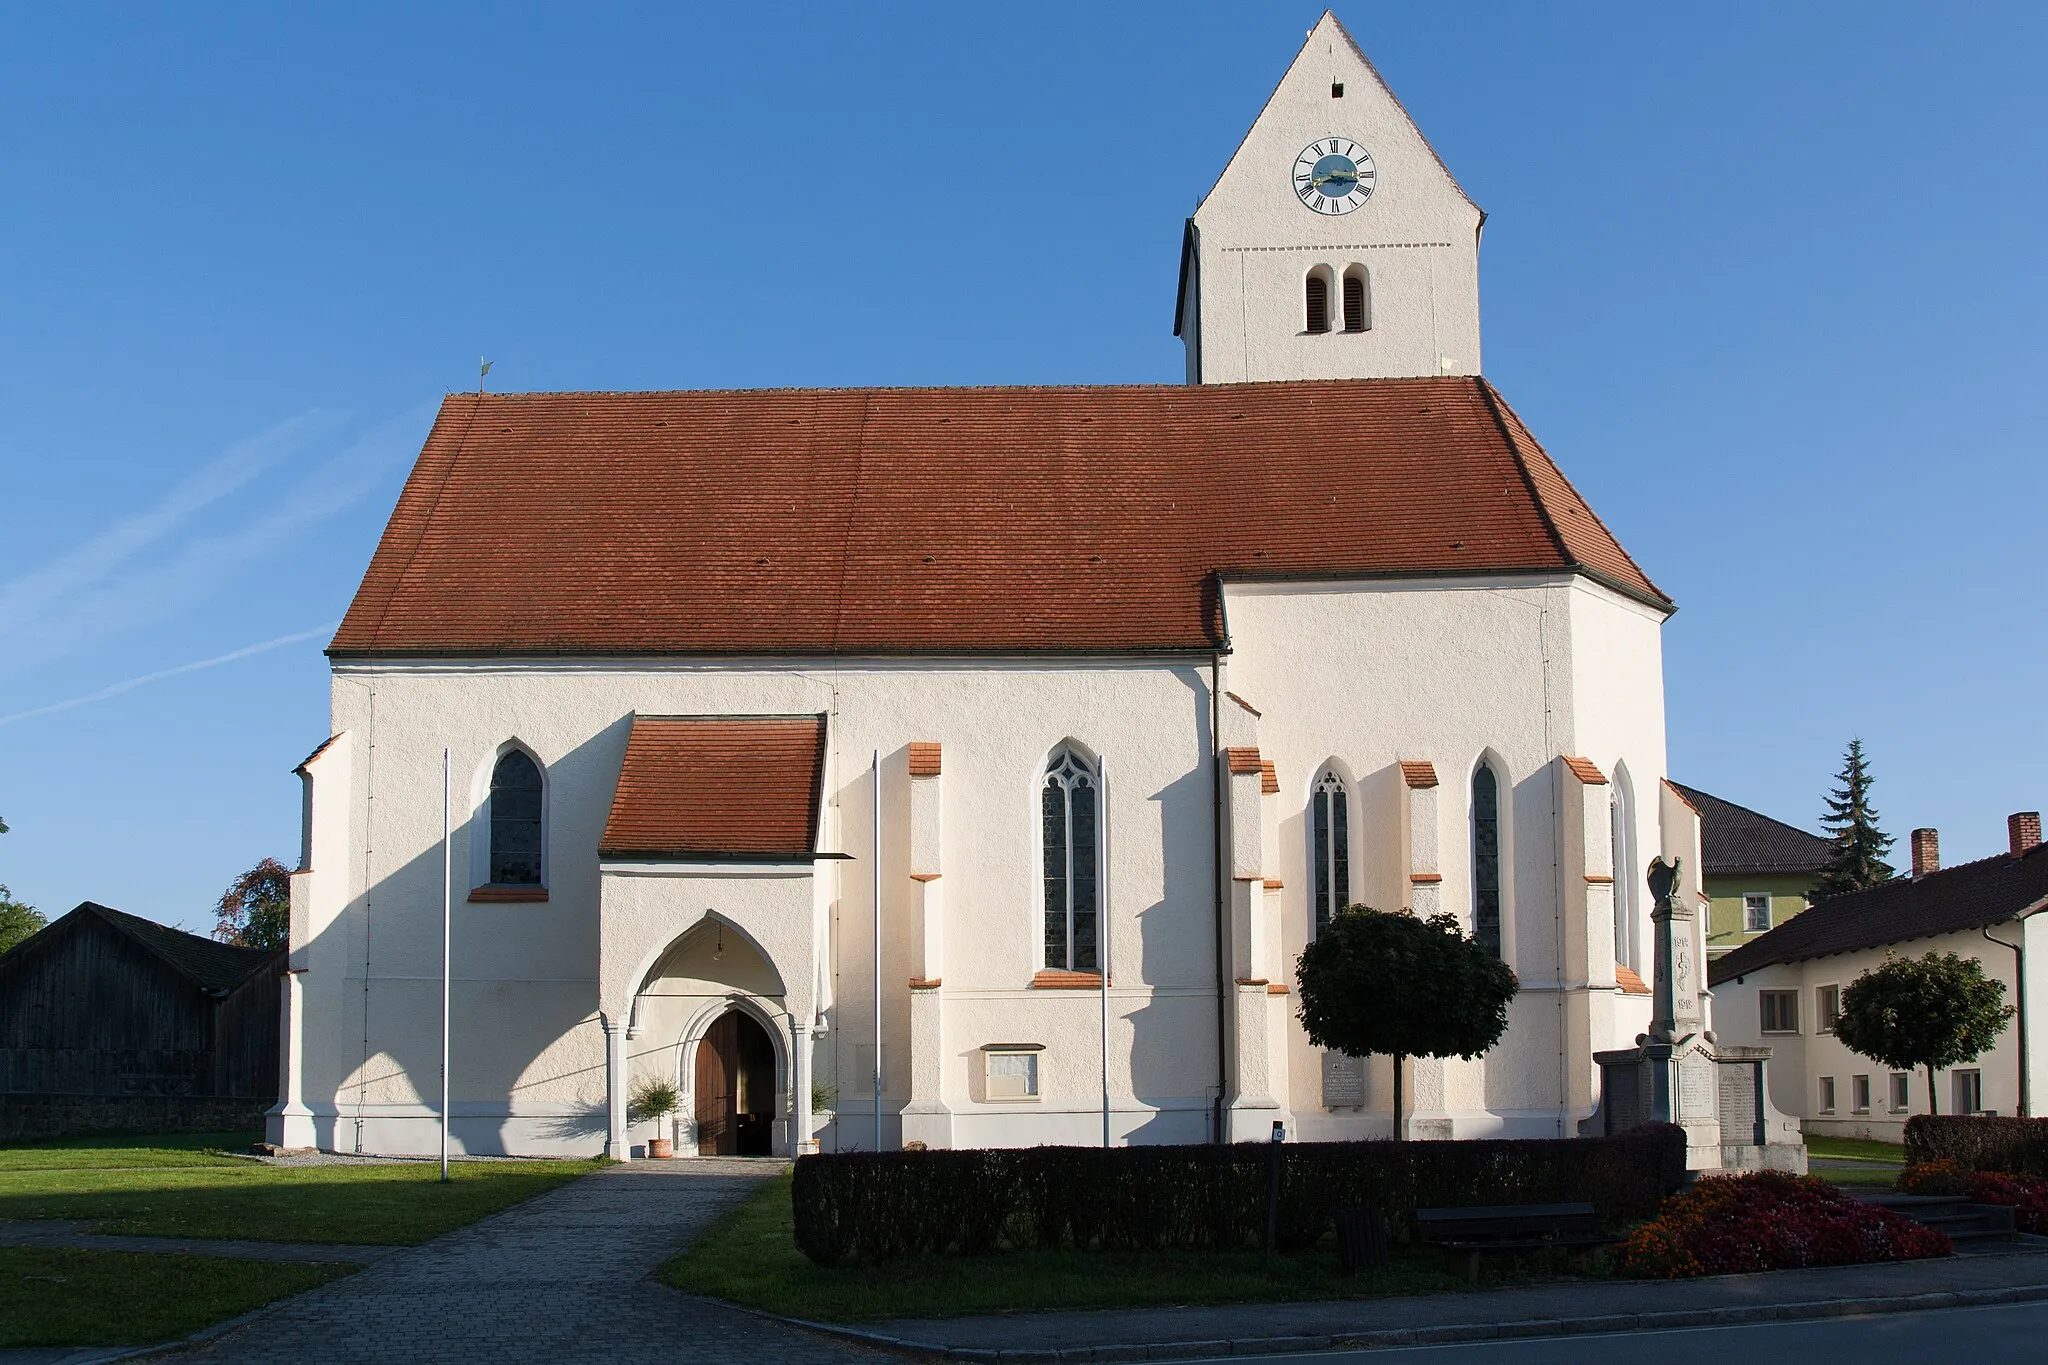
[[515, 820], [1357, 301], [1316, 297], [1486, 859], [1069, 809], [1331, 822]]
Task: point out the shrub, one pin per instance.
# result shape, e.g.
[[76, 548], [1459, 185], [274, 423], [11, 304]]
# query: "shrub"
[[1977, 1143], [1768, 1220], [872, 1206], [2027, 1195]]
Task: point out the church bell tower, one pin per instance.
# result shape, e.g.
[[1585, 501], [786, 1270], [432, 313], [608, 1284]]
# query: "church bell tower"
[[1336, 244]]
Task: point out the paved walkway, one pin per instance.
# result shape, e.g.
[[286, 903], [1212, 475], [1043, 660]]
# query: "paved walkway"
[[560, 1278], [1532, 1311]]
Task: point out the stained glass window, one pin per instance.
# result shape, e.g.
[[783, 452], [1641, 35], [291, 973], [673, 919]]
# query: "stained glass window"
[[1332, 825], [515, 821], [1486, 859], [1069, 816]]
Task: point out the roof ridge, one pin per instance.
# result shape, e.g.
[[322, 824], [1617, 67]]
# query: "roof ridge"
[[1494, 406], [846, 389], [1691, 790]]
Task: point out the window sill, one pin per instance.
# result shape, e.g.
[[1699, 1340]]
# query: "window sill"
[[1067, 981], [1780, 1033], [508, 895]]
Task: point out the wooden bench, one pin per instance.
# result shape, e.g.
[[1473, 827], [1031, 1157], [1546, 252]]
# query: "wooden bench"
[[1509, 1227]]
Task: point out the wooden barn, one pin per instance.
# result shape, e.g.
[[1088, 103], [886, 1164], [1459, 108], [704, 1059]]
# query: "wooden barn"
[[108, 1020]]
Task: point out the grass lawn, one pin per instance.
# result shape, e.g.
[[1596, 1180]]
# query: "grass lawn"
[[116, 1298], [750, 1257], [172, 1187], [1855, 1149]]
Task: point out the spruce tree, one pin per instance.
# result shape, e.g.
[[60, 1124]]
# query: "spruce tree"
[[1857, 858]]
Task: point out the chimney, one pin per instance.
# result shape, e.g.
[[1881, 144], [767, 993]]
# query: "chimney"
[[1926, 852], [2024, 828]]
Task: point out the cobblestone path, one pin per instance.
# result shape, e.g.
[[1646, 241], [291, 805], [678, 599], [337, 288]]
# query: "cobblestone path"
[[560, 1278]]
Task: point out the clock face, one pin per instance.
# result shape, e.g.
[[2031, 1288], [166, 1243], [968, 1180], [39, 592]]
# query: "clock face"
[[1333, 175]]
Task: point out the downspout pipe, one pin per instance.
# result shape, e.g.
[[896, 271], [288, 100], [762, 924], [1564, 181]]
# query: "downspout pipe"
[[1219, 1130], [2019, 972]]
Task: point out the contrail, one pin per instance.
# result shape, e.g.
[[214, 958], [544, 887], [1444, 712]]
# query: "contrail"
[[116, 689]]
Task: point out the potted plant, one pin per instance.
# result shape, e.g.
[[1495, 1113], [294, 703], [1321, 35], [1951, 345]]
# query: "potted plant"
[[653, 1100]]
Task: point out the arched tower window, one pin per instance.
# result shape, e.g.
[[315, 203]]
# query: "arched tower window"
[[1330, 818], [1486, 859], [515, 820], [1357, 300], [1069, 813], [1626, 874], [1316, 301]]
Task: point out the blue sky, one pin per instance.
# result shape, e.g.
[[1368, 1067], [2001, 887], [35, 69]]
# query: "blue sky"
[[1766, 279]]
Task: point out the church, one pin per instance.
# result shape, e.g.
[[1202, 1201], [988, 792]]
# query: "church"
[[958, 767]]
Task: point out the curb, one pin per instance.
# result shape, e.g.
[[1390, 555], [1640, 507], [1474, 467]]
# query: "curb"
[[1370, 1338]]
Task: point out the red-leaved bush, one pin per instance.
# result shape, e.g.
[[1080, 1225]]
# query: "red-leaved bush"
[[1768, 1220], [2027, 1194]]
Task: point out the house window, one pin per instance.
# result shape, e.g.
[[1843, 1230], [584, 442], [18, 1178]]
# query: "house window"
[[1010, 1072], [1332, 847], [1901, 1092], [1859, 1094], [1756, 913], [1486, 859], [1068, 809], [515, 820], [1827, 1094], [1827, 1008], [1357, 301], [1968, 1090], [1780, 1011], [1316, 299]]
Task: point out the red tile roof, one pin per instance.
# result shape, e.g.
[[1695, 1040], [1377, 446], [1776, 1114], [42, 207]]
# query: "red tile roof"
[[1418, 772], [924, 758], [1586, 770], [966, 520], [718, 787], [1269, 778], [1243, 761]]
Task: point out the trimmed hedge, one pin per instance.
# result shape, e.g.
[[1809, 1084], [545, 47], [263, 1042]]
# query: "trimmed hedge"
[[871, 1206], [2014, 1146]]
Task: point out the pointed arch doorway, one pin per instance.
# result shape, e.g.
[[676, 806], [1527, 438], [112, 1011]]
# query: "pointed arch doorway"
[[735, 1090]]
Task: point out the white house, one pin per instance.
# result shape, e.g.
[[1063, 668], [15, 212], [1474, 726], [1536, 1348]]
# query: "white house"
[[805, 738], [1784, 989]]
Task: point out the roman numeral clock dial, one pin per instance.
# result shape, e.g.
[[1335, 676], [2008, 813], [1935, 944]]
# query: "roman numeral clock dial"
[[1333, 175]]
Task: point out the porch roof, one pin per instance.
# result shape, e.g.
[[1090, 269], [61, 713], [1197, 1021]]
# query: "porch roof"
[[718, 788]]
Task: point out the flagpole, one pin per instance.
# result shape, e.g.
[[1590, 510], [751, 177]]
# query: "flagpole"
[[447, 913], [875, 871], [1102, 921]]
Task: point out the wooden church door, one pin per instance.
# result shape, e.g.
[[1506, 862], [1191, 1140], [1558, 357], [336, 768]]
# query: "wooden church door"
[[718, 1057]]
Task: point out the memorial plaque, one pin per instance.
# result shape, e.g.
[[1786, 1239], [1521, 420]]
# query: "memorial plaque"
[[1696, 1087], [1343, 1081]]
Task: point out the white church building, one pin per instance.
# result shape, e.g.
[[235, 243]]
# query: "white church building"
[[1003, 744]]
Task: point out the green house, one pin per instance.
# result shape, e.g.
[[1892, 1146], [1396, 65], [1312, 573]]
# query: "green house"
[[1759, 871]]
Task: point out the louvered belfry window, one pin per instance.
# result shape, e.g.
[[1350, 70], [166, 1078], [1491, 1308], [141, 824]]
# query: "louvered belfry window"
[[1068, 806], [1318, 299], [1332, 823], [515, 821], [1354, 303]]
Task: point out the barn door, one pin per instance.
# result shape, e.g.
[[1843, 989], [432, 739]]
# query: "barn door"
[[717, 1104]]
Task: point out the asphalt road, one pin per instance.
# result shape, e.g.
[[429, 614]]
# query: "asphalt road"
[[2016, 1332]]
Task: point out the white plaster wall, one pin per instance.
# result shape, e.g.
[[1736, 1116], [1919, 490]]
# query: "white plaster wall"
[[1798, 1061], [1417, 236], [1447, 671]]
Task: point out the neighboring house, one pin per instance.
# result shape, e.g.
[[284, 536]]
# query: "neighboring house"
[[1094, 701], [1759, 871], [1784, 990], [108, 1020]]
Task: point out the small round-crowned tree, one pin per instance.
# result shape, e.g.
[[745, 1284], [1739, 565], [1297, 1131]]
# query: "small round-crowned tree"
[[1931, 1012], [1379, 981]]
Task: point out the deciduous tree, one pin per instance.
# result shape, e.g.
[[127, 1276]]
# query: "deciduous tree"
[[1377, 981], [256, 910], [17, 921], [1936, 1011]]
